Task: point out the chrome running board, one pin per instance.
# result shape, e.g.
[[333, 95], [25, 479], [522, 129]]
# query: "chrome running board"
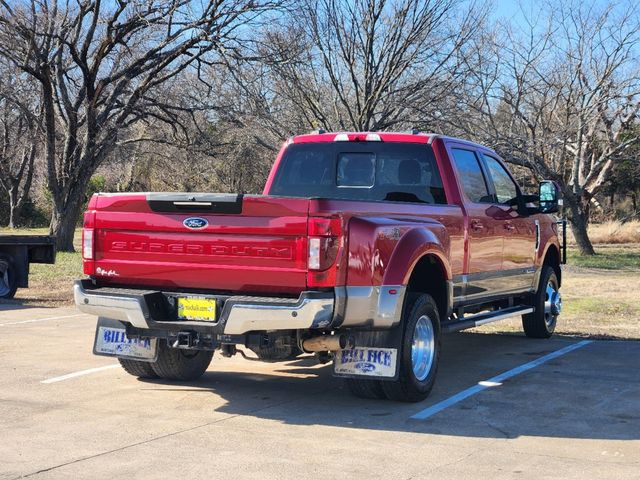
[[484, 318]]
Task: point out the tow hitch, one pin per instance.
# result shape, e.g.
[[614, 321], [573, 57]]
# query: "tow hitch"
[[191, 340]]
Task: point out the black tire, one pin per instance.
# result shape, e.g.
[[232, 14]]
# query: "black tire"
[[364, 388], [541, 323], [8, 277], [137, 368], [408, 387], [181, 364]]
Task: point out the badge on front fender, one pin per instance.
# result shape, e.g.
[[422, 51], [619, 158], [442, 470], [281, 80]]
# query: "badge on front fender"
[[366, 361]]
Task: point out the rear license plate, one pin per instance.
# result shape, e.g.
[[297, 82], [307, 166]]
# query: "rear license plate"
[[113, 342], [202, 309], [367, 361]]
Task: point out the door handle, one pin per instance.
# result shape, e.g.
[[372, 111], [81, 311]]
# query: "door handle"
[[477, 225], [509, 226]]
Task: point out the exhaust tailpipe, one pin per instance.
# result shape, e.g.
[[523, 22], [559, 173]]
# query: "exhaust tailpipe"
[[328, 343]]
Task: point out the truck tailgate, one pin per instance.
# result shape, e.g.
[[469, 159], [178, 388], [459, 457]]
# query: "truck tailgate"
[[142, 239]]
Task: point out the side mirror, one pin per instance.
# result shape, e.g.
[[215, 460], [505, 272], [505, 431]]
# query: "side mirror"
[[549, 196]]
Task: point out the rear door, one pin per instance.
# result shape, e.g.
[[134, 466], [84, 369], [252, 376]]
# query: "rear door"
[[485, 232]]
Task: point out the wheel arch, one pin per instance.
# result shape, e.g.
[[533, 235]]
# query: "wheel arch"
[[552, 259], [429, 275]]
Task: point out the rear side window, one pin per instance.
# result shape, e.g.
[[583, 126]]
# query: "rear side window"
[[373, 171], [506, 189], [471, 176]]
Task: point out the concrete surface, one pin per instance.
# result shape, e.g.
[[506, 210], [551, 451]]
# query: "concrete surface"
[[577, 416]]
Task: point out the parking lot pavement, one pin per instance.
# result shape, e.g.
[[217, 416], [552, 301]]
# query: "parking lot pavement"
[[574, 416]]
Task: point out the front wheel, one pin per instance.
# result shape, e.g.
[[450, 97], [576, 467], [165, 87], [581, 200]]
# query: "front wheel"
[[420, 353], [547, 304]]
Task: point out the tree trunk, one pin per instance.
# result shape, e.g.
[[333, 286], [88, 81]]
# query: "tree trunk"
[[579, 222], [579, 229], [13, 215], [64, 221], [15, 207]]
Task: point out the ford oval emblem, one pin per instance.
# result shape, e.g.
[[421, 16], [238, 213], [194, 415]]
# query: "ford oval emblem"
[[365, 366], [195, 223]]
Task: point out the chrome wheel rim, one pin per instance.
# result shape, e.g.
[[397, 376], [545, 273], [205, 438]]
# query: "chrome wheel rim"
[[422, 348], [552, 304], [4, 279]]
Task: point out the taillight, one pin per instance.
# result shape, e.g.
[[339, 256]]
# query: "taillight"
[[322, 252], [324, 245], [87, 243], [314, 253]]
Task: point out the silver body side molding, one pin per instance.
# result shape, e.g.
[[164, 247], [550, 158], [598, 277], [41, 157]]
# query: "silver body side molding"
[[376, 307]]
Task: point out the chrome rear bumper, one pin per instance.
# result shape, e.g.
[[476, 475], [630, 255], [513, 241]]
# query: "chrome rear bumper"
[[239, 315], [127, 309]]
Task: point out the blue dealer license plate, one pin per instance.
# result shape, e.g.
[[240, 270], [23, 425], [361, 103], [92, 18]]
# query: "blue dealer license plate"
[[366, 361], [113, 342]]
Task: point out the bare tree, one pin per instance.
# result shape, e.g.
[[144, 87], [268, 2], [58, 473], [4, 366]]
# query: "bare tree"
[[371, 64], [20, 130], [560, 98], [101, 67], [222, 158], [624, 180]]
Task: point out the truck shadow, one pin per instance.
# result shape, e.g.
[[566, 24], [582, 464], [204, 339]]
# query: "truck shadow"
[[14, 304], [593, 392]]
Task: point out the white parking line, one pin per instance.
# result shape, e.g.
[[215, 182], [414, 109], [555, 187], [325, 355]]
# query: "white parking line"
[[80, 373], [496, 381], [42, 319]]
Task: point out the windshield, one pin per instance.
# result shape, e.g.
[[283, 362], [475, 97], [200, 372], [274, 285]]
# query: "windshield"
[[375, 171]]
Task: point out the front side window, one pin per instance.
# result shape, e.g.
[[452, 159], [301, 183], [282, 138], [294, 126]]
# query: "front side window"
[[471, 176], [506, 189]]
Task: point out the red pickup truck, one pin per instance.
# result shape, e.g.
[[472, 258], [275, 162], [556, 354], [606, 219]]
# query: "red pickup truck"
[[364, 248]]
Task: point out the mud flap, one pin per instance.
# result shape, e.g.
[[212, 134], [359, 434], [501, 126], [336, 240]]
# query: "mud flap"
[[111, 341], [376, 356]]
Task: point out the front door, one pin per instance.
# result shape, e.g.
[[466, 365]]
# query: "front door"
[[520, 236]]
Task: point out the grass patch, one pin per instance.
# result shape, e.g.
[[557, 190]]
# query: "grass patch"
[[611, 232], [612, 258], [599, 306], [68, 267], [49, 285]]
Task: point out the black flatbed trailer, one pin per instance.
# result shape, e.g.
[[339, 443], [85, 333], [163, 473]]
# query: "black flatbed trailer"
[[17, 252]]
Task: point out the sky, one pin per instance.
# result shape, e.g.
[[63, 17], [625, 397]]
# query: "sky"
[[513, 9]]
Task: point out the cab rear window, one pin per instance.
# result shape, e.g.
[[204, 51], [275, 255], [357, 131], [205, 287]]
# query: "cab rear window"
[[373, 171]]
